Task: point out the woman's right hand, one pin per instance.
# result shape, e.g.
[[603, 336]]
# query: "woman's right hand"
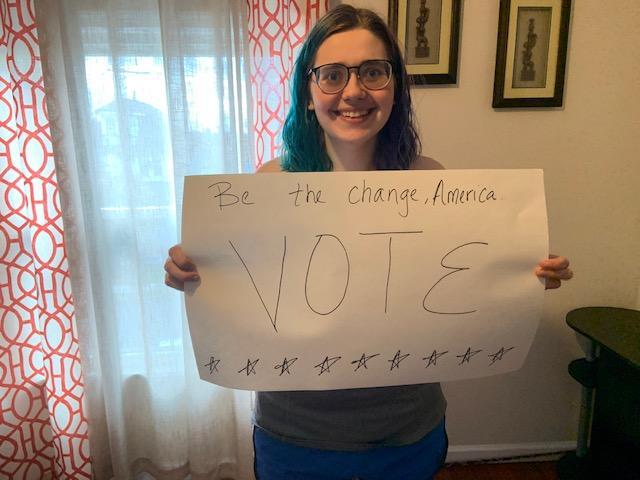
[[179, 269]]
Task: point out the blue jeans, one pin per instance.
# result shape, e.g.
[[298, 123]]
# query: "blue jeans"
[[279, 460]]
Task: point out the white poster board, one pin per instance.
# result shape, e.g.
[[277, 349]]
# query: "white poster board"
[[318, 281]]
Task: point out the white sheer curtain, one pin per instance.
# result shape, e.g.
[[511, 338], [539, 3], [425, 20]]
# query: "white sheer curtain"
[[141, 93]]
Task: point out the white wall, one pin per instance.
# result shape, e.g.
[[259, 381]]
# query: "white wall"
[[590, 152]]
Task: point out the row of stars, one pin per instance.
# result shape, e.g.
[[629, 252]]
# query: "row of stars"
[[328, 362]]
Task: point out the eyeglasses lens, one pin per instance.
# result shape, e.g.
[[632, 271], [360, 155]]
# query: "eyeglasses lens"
[[332, 78], [374, 75]]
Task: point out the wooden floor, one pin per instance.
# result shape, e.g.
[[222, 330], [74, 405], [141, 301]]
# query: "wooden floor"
[[502, 471]]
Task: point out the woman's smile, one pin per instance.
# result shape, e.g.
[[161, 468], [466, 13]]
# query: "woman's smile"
[[353, 115]]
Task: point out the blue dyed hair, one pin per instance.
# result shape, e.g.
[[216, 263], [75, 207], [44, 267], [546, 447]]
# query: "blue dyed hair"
[[397, 144]]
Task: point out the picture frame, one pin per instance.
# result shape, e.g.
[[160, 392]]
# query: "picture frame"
[[531, 53], [428, 32]]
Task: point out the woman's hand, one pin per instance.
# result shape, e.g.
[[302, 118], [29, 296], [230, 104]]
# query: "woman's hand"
[[554, 270], [179, 269]]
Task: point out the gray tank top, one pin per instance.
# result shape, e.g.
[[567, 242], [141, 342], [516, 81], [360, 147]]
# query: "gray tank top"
[[354, 419]]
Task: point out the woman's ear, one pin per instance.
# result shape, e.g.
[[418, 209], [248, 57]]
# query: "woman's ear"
[[310, 105]]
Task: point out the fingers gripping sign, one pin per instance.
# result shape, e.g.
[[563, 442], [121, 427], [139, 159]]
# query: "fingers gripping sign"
[[179, 269], [554, 271]]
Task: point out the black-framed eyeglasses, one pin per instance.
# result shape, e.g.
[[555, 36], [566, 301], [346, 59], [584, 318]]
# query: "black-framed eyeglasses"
[[333, 77]]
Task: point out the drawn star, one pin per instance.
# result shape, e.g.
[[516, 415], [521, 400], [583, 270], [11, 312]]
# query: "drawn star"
[[466, 357], [250, 368], [362, 362], [326, 364], [213, 364], [498, 355], [395, 361], [284, 367], [433, 358]]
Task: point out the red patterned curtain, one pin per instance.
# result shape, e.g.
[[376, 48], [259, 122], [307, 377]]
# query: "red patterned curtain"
[[43, 429], [277, 28]]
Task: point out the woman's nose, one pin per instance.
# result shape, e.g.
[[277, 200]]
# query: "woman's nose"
[[354, 88]]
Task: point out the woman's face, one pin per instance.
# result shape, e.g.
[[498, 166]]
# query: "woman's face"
[[354, 116]]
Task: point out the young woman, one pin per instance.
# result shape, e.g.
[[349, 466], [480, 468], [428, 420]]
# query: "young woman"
[[350, 110]]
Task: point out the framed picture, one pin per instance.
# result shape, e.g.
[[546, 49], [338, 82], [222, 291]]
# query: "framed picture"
[[428, 32], [531, 53]]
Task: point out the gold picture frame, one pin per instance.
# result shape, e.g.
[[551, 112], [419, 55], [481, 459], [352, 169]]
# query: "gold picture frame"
[[428, 32], [531, 53]]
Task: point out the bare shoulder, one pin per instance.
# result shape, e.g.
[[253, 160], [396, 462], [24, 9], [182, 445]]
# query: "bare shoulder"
[[271, 166], [426, 163]]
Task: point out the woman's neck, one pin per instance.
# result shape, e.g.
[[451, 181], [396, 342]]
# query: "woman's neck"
[[349, 156]]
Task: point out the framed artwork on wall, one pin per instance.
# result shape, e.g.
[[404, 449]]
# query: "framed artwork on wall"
[[428, 32], [531, 53]]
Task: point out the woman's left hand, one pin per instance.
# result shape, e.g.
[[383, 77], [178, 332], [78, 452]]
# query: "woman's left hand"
[[554, 270]]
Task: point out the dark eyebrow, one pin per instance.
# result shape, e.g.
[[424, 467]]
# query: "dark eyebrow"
[[352, 66]]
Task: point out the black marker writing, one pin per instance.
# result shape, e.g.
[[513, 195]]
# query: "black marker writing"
[[454, 271], [326, 364], [251, 367], [285, 365], [372, 195], [386, 290], [273, 318], [458, 196], [312, 196], [362, 361], [467, 356], [395, 361], [213, 365], [306, 280], [227, 199], [433, 358], [499, 354]]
